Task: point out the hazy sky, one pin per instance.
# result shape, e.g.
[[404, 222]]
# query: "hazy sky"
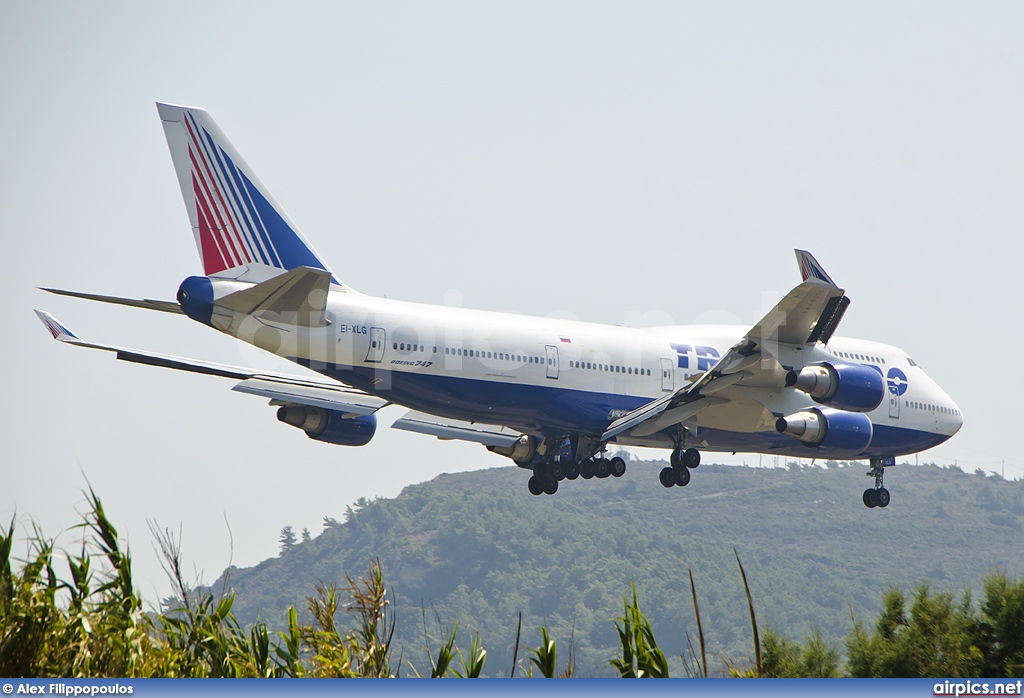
[[630, 163]]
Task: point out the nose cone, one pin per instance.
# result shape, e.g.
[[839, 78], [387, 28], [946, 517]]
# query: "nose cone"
[[195, 296], [957, 418]]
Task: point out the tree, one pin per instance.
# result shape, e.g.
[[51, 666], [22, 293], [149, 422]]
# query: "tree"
[[937, 637], [287, 539], [306, 537], [817, 657]]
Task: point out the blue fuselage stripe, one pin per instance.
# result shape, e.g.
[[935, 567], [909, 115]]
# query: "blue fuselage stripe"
[[543, 408]]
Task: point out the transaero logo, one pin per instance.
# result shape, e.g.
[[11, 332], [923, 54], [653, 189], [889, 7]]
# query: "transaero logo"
[[897, 381]]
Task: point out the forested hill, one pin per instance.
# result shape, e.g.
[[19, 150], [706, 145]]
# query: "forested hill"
[[476, 548]]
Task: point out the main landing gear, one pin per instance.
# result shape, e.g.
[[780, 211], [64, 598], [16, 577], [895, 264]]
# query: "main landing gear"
[[678, 473], [878, 496], [548, 474]]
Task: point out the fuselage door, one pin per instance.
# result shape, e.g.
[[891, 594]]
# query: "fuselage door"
[[375, 353], [551, 352], [894, 403], [668, 370]]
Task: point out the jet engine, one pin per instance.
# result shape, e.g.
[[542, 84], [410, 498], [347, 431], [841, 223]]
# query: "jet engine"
[[833, 431], [330, 426], [522, 452], [850, 387]]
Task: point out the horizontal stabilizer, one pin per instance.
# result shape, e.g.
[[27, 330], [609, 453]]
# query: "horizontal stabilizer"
[[450, 429], [297, 297], [148, 304]]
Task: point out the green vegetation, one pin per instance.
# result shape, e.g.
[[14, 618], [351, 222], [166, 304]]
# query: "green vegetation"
[[90, 622], [476, 548]]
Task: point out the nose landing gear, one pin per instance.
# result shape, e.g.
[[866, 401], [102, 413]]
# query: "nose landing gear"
[[878, 496]]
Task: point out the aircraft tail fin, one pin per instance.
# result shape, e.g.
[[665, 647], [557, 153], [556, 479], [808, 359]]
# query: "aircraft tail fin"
[[241, 231]]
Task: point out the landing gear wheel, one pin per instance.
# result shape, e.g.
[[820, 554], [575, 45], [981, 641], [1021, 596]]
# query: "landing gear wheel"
[[691, 458], [682, 476], [667, 477], [587, 469], [550, 486], [674, 458], [618, 467], [602, 468], [878, 496], [556, 471], [882, 497], [535, 485], [572, 470]]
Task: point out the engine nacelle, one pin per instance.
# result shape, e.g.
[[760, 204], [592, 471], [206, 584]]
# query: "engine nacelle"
[[522, 452], [330, 426], [834, 431], [850, 387]]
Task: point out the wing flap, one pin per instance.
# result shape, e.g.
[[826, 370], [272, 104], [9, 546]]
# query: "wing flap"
[[328, 397], [450, 429]]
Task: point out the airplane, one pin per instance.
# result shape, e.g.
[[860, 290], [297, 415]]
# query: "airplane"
[[552, 395]]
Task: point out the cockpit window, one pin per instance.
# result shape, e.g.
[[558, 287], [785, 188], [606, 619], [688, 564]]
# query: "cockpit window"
[[911, 361]]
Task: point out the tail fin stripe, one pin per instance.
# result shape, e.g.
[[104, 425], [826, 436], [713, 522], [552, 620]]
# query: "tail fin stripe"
[[231, 230], [210, 247], [214, 154], [218, 230], [292, 251], [265, 249], [253, 213], [238, 212]]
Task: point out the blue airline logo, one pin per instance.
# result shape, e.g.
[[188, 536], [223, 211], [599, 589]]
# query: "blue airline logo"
[[706, 356], [897, 381]]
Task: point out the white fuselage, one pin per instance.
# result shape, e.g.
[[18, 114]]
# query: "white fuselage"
[[543, 375]]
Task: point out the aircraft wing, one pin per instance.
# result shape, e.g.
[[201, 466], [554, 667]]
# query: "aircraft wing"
[[281, 388], [450, 429], [808, 314]]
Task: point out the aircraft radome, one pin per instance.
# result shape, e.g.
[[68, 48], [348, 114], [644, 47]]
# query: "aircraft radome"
[[552, 395]]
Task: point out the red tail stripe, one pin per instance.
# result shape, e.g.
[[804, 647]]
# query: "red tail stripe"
[[209, 172], [207, 241], [229, 243]]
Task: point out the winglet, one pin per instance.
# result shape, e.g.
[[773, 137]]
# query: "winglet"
[[810, 269], [59, 332]]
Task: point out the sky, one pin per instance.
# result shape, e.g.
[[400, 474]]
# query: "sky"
[[626, 163]]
